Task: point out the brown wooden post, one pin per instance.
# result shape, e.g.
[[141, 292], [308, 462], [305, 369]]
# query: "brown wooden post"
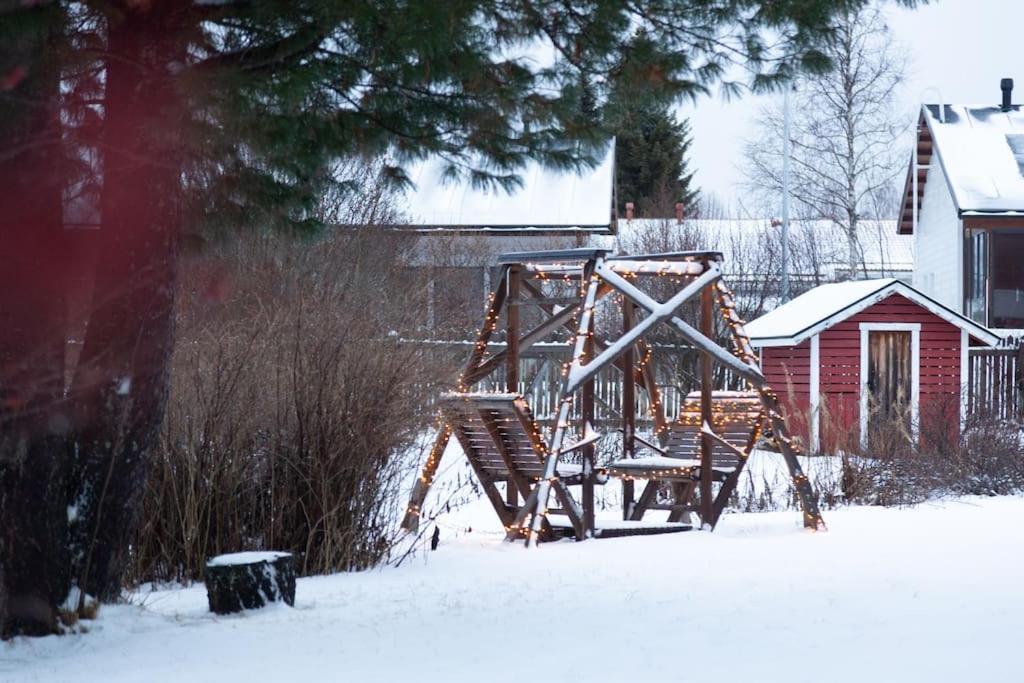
[[1019, 412], [512, 332], [706, 387], [628, 408], [512, 356], [587, 409], [650, 384], [411, 521]]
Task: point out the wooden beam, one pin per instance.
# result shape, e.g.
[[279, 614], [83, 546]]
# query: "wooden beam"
[[469, 375], [729, 485], [706, 387], [546, 301], [565, 499], [770, 401], [559, 319], [587, 415], [580, 373], [628, 408], [411, 521], [649, 381], [747, 369], [512, 333], [562, 421], [648, 496]]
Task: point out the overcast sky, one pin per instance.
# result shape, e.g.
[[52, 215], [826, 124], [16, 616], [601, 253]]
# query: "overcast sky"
[[959, 49]]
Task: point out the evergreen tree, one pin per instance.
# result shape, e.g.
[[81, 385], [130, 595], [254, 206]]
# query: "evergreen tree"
[[651, 168], [229, 114]]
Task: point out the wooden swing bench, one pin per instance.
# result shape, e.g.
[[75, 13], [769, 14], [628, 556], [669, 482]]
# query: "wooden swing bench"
[[542, 296], [504, 444], [737, 420]]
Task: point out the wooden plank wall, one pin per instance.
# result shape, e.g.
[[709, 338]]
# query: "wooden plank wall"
[[840, 367], [787, 369], [995, 382]]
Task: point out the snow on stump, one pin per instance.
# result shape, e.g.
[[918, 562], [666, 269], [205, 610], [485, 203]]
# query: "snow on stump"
[[249, 580]]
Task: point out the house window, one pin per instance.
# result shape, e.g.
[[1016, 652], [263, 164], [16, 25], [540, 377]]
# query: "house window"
[[1007, 267], [976, 292], [994, 294]]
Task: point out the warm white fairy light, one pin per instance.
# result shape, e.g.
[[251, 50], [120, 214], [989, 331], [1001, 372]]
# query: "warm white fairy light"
[[581, 324]]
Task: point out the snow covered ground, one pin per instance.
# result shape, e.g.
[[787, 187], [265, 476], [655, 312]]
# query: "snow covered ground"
[[930, 593]]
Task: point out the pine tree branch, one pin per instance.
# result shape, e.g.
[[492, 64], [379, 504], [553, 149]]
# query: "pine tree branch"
[[278, 53]]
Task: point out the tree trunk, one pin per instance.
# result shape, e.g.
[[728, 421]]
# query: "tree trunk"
[[33, 424], [249, 581], [120, 385]]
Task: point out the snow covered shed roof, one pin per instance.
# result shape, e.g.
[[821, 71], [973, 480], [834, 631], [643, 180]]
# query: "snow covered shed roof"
[[980, 149], [548, 201], [822, 307]]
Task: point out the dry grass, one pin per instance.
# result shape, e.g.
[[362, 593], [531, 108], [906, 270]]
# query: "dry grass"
[[292, 399]]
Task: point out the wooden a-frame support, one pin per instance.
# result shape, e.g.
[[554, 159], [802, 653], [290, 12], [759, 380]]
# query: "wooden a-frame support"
[[597, 275]]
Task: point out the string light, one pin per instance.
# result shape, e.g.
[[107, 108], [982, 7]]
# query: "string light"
[[730, 410]]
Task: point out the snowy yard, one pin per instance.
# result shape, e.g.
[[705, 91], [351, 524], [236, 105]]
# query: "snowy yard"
[[931, 593]]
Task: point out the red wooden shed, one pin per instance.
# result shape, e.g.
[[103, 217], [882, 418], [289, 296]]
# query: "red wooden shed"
[[843, 355]]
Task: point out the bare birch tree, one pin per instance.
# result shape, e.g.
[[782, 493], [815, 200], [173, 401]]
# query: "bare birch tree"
[[844, 130]]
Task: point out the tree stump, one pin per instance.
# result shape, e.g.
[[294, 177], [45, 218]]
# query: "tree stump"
[[249, 580]]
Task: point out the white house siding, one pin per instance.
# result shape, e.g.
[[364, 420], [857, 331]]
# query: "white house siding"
[[938, 268]]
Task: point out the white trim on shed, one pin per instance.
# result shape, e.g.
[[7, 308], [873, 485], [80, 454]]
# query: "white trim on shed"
[[815, 394], [823, 307], [915, 373]]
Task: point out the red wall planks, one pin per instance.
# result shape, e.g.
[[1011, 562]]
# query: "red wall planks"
[[787, 369]]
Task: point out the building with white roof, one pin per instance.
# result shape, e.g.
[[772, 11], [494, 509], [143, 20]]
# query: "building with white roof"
[[963, 204], [548, 202], [853, 358]]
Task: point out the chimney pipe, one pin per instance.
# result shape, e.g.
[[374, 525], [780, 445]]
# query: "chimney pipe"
[[1006, 85], [679, 212], [629, 211]]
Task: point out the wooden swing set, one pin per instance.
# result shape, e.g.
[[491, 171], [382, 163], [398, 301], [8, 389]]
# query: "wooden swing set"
[[692, 464]]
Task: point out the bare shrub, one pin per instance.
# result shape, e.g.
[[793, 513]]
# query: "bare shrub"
[[990, 460], [292, 400], [986, 457]]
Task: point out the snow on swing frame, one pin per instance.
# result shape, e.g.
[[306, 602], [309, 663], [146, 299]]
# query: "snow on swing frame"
[[470, 414]]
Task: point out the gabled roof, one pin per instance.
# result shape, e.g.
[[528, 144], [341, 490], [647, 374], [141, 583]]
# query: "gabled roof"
[[823, 307], [549, 201], [975, 146]]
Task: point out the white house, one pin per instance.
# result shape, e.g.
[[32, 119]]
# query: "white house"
[[963, 204]]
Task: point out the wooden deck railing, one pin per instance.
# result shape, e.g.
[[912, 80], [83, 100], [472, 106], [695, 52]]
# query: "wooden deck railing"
[[996, 383]]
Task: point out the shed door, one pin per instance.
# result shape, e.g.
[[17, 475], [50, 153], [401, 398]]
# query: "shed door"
[[889, 381]]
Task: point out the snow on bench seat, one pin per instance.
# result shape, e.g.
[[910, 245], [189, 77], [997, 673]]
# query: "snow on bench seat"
[[611, 528], [658, 466]]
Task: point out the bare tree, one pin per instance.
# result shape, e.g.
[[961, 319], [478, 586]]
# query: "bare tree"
[[844, 130]]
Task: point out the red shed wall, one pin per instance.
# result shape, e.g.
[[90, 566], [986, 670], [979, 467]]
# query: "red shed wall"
[[840, 369], [787, 369]]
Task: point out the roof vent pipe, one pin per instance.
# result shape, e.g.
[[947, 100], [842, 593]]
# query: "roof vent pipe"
[[679, 212], [1006, 85], [629, 211]]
